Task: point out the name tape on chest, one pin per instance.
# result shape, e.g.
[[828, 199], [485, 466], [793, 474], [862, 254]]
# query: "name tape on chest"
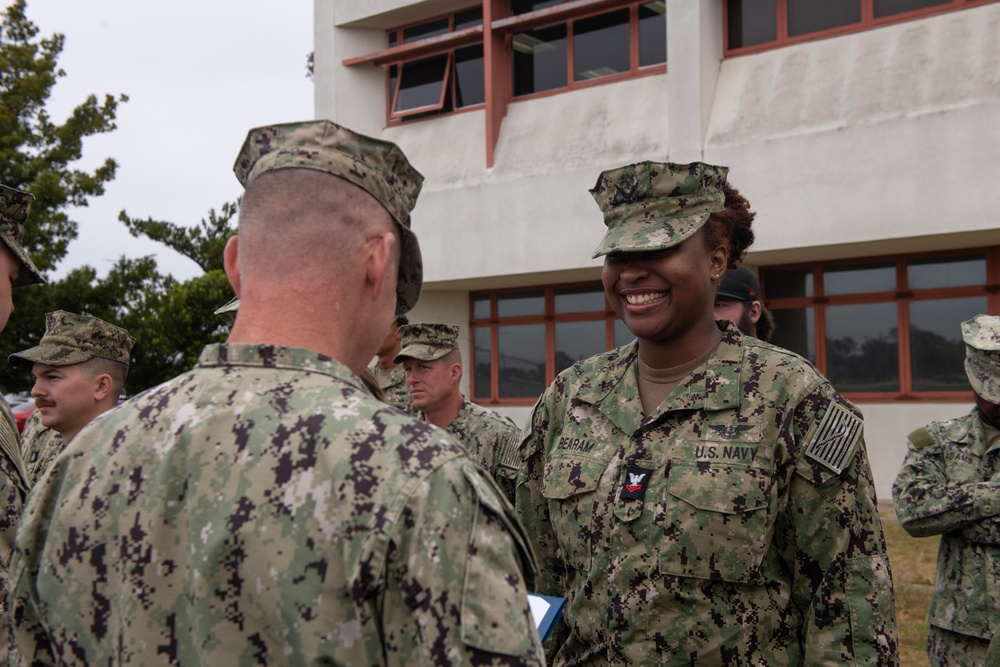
[[836, 439]]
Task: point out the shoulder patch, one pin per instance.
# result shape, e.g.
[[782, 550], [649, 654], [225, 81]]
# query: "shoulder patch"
[[921, 438], [836, 438]]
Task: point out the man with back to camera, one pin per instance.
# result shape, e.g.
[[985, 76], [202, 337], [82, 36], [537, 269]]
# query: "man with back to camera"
[[80, 367], [433, 367], [738, 299], [949, 486], [16, 270], [264, 508]]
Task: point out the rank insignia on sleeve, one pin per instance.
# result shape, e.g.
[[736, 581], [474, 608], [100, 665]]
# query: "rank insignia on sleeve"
[[836, 438], [635, 486]]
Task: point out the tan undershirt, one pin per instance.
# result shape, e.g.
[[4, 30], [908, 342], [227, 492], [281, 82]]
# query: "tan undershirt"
[[655, 384], [990, 432]]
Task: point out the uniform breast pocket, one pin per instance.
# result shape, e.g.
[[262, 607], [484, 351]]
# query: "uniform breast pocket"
[[569, 486], [718, 521]]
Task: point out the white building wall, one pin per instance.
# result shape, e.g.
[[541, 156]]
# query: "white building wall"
[[873, 143]]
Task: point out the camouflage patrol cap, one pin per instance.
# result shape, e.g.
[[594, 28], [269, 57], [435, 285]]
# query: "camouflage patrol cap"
[[740, 284], [982, 355], [655, 205], [426, 341], [228, 310], [378, 167], [14, 206], [72, 339]]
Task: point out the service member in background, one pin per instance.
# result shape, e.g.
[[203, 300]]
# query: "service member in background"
[[388, 373], [949, 485], [698, 496], [264, 508], [16, 270], [738, 299], [80, 367], [433, 367]]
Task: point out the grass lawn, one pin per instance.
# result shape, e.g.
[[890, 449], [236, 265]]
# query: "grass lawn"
[[913, 562]]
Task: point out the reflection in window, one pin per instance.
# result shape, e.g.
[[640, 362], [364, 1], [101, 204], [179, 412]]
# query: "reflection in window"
[[425, 30], [805, 16], [521, 360], [469, 18], [860, 278], [578, 340], [937, 351], [525, 6], [482, 357], [653, 33], [520, 303], [481, 308], [795, 330], [890, 7], [579, 300], [947, 272], [786, 283], [540, 59], [470, 88], [601, 45], [751, 22], [862, 347], [422, 84]]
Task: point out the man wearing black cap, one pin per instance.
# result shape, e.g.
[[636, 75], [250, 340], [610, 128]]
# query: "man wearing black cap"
[[738, 299]]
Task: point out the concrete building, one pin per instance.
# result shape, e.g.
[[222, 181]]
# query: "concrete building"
[[865, 134]]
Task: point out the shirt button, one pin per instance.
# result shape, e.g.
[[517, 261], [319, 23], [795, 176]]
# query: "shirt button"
[[988, 509]]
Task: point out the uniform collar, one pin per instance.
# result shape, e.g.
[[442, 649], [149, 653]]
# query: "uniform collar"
[[276, 356]]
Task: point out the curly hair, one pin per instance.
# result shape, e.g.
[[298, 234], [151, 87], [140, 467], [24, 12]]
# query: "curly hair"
[[732, 226]]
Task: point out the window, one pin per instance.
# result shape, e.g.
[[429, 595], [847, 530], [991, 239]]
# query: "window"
[[754, 25], [521, 339], [884, 329], [450, 79], [581, 50]]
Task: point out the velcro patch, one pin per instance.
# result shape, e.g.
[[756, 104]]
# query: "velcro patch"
[[834, 443], [636, 484]]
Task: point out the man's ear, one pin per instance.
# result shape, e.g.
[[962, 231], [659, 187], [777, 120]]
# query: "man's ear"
[[102, 386], [378, 262], [756, 310], [455, 372], [230, 261]]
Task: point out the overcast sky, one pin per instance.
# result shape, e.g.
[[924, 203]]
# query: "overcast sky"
[[198, 75]]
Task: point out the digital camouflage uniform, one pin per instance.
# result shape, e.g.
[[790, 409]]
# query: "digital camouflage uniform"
[[14, 207], [492, 440], [69, 339], [736, 524], [40, 446], [948, 485], [394, 387], [265, 509]]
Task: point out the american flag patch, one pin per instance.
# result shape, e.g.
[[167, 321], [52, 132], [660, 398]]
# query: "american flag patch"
[[834, 442]]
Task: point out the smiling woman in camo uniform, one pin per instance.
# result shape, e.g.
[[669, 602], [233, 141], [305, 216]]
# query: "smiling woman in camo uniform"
[[699, 497]]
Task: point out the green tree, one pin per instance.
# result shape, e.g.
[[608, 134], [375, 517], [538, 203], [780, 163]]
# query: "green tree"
[[38, 155]]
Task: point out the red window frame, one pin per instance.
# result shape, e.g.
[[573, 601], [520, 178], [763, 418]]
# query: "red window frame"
[[903, 297], [867, 22]]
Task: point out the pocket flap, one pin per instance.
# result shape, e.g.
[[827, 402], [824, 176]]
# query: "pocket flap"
[[725, 488], [567, 476]]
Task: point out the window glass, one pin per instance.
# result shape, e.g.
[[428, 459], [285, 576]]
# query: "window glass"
[[937, 352], [862, 347], [578, 340], [785, 283], [579, 300], [521, 303], [805, 16], [795, 330], [525, 6], [393, 75], [482, 356], [469, 85], [601, 45], [622, 335], [860, 278], [468, 18], [946, 272], [653, 33], [539, 59], [421, 83], [751, 22], [521, 360], [481, 307], [425, 30], [391, 38], [890, 7]]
